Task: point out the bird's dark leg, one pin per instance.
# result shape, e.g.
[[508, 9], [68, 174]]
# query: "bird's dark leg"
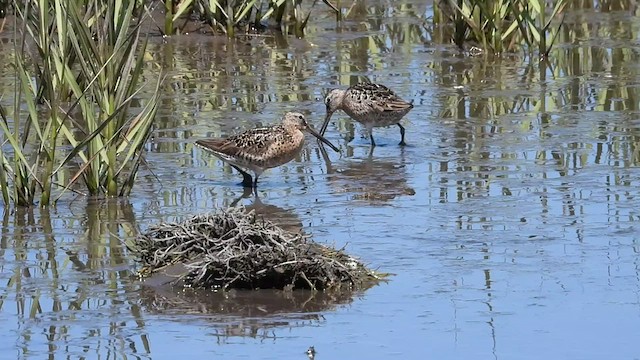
[[370, 131], [255, 183], [371, 148], [247, 181], [401, 135]]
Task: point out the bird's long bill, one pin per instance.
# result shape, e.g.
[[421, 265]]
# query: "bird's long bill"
[[327, 117], [321, 138]]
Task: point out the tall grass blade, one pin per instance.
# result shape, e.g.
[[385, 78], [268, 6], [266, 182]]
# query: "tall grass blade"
[[181, 9], [86, 58], [18, 153]]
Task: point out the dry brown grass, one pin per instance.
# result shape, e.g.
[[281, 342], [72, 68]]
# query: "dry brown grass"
[[233, 248]]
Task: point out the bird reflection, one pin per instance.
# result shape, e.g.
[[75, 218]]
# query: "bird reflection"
[[281, 217], [369, 179]]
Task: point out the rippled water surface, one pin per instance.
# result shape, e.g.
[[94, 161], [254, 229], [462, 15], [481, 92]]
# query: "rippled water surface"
[[510, 220]]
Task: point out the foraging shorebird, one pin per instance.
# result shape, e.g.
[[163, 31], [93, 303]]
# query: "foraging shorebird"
[[372, 105], [263, 148]]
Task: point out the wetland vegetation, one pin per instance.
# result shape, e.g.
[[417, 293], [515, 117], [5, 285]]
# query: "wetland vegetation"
[[77, 92]]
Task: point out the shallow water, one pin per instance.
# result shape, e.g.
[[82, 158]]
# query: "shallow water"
[[510, 220]]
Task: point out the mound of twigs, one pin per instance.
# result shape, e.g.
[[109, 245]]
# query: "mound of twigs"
[[232, 248]]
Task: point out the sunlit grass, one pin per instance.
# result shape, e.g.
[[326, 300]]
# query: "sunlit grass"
[[76, 91], [229, 16], [499, 26]]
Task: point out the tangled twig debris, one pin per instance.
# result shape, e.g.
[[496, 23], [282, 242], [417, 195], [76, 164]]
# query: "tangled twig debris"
[[232, 248]]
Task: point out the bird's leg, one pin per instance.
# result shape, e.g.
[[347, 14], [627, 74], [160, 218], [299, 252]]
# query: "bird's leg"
[[247, 181], [370, 130], [371, 148], [401, 135]]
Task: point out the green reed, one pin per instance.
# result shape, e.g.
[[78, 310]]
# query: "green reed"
[[228, 16], [498, 26], [77, 78]]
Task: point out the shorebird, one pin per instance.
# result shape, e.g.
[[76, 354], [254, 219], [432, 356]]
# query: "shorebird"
[[372, 105], [263, 148]]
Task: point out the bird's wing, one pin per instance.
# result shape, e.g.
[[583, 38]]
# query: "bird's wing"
[[252, 142], [383, 98]]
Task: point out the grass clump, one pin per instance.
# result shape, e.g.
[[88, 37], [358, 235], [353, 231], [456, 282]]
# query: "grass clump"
[[232, 248], [498, 26], [79, 67], [228, 16]]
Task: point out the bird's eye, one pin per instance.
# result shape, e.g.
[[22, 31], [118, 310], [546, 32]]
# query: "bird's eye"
[[327, 101], [300, 117]]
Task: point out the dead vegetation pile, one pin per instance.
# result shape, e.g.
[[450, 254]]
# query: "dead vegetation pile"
[[232, 248]]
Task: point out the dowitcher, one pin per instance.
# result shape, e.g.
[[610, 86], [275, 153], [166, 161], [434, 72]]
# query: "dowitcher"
[[372, 105], [263, 148]]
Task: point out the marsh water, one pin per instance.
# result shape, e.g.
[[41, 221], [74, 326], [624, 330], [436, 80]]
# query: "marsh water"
[[510, 221]]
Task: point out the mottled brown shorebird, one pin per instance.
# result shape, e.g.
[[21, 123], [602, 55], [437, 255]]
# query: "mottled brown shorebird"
[[372, 105], [263, 148]]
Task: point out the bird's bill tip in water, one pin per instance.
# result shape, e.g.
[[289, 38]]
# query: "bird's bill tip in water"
[[322, 138]]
